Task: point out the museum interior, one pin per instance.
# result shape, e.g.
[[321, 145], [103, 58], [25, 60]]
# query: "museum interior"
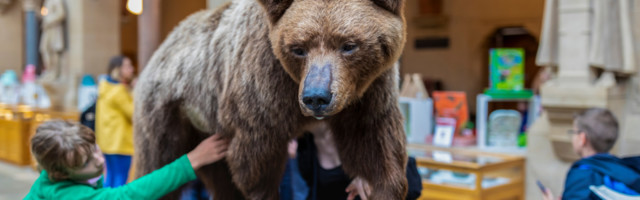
[[500, 99]]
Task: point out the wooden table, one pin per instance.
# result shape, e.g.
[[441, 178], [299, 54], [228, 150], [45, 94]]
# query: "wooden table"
[[18, 124], [450, 173]]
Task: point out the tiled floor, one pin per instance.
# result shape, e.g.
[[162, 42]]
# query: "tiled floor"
[[15, 181]]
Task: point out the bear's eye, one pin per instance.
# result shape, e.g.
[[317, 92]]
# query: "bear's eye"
[[298, 51], [349, 48]]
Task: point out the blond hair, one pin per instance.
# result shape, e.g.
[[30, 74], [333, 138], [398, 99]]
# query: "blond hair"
[[60, 146]]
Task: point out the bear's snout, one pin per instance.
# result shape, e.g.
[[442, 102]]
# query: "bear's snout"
[[317, 100], [316, 94]]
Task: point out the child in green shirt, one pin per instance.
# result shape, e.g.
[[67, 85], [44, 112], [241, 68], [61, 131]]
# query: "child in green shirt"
[[73, 164]]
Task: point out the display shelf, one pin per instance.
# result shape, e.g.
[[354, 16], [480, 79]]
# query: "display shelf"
[[451, 173], [482, 113]]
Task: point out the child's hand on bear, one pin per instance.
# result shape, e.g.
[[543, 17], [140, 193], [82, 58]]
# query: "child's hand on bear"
[[358, 187], [208, 151]]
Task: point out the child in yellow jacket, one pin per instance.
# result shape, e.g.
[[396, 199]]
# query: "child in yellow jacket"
[[114, 127]]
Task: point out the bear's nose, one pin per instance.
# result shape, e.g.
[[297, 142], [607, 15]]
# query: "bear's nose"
[[316, 99], [316, 94]]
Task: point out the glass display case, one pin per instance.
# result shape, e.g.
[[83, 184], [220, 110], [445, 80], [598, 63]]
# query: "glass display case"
[[449, 173]]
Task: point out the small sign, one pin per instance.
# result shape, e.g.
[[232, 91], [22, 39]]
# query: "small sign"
[[445, 127]]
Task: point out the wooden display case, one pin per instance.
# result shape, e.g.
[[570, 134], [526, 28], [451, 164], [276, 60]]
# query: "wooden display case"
[[449, 173], [14, 123], [17, 125]]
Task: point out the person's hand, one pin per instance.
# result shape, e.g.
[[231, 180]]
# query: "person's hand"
[[358, 187], [292, 148], [548, 195], [210, 150]]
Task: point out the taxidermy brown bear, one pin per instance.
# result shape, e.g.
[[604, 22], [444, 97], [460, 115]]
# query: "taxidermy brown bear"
[[260, 72]]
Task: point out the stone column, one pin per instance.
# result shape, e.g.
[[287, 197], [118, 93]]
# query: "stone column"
[[148, 32], [549, 148], [32, 30], [573, 89], [574, 28]]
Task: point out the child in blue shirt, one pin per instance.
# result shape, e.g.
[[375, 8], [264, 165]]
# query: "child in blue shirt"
[[593, 134]]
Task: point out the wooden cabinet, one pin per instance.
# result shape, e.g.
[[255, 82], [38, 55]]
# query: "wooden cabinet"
[[17, 125], [453, 174], [14, 139]]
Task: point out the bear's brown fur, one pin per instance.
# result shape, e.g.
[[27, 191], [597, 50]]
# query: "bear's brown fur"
[[241, 71]]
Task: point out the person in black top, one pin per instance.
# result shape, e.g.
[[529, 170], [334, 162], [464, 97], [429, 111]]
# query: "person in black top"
[[322, 171]]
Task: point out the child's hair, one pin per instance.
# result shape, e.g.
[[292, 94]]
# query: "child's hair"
[[59, 146], [600, 127], [114, 63]]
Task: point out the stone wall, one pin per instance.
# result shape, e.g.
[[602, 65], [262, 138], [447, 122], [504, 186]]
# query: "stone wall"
[[12, 38]]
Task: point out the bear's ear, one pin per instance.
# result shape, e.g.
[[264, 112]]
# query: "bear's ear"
[[393, 6], [275, 8]]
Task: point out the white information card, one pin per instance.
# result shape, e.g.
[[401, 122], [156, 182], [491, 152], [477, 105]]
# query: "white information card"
[[445, 127]]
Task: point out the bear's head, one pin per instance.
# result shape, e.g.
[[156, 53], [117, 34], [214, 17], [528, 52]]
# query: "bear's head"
[[335, 49]]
